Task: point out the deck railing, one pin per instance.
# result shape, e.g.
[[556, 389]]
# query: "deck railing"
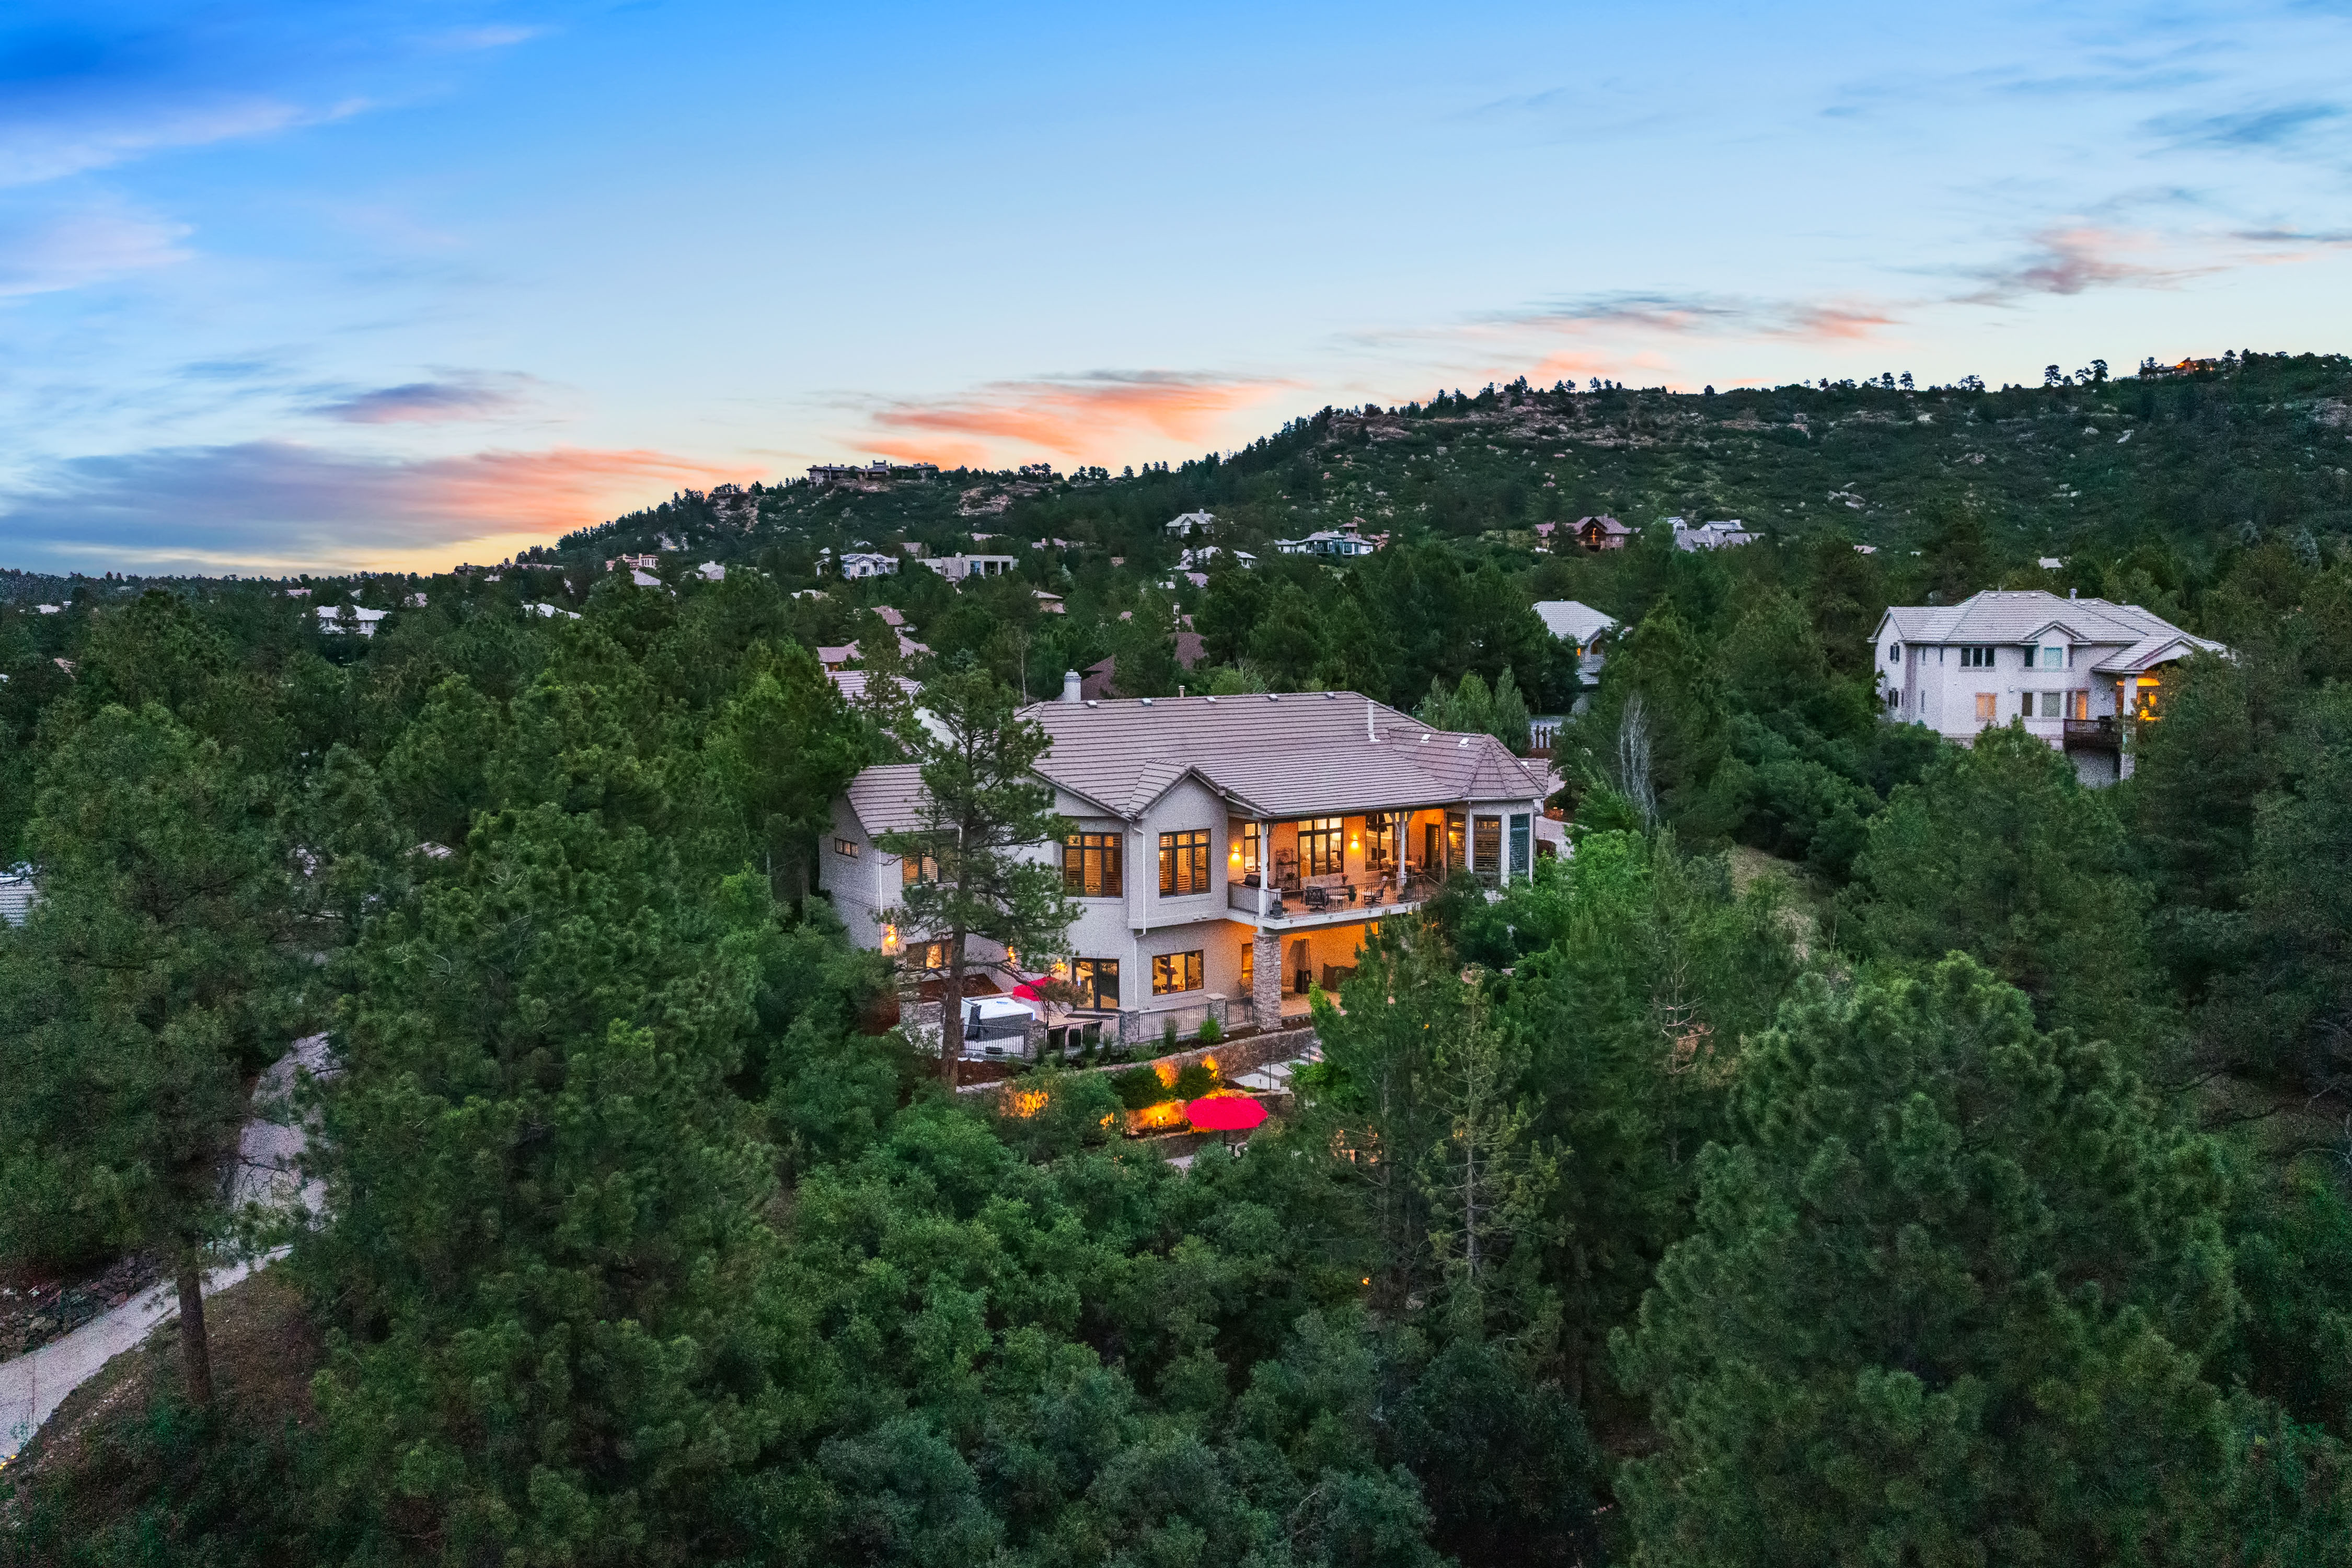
[[2101, 733]]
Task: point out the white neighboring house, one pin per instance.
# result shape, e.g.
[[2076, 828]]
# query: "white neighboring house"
[[956, 568], [1188, 523], [548, 612], [18, 892], [1584, 628], [866, 564], [330, 620], [1329, 542], [1200, 557], [1228, 854], [1709, 535], [2079, 672], [711, 572]]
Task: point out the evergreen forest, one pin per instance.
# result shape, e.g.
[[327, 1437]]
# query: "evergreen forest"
[[1861, 1149]]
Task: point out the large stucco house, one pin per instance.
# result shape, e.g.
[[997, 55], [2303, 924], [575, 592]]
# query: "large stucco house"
[[1227, 852], [2079, 672]]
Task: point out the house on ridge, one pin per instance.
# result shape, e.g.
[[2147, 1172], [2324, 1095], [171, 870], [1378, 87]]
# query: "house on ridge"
[[2079, 673]]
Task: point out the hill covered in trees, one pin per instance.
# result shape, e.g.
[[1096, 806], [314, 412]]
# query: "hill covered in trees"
[[2182, 459]]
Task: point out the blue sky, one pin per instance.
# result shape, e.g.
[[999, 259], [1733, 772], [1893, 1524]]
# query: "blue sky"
[[337, 285]]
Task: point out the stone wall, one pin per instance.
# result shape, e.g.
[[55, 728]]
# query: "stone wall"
[[1232, 1057]]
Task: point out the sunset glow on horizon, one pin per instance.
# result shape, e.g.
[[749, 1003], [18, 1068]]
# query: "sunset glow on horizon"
[[346, 285]]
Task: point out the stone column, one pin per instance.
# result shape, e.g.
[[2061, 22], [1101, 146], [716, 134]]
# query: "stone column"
[[1266, 979]]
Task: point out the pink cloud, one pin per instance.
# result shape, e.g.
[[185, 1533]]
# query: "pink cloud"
[[275, 505], [1080, 417]]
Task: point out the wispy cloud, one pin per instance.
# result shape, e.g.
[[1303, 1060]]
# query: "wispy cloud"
[[425, 402], [1080, 416], [2274, 126], [278, 505], [34, 150], [2074, 260], [66, 249]]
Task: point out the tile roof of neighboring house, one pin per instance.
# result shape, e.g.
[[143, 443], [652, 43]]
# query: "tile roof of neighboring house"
[[2016, 615], [1294, 754], [1606, 524], [891, 615], [851, 684], [1578, 623], [888, 798]]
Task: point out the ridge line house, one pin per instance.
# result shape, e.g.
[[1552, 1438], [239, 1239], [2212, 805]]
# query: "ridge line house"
[[1227, 852], [2078, 671]]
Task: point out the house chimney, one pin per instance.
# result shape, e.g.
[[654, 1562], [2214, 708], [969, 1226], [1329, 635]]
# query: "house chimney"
[[1070, 684]]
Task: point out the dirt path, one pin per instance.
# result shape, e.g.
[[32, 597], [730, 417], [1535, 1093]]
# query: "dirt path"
[[267, 1176]]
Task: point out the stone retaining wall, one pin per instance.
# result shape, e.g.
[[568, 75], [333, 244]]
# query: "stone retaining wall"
[[1232, 1057]]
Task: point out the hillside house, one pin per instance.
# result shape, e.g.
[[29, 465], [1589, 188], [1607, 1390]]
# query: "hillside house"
[[341, 618], [868, 563], [1228, 854], [2079, 672], [1709, 535], [1601, 533], [956, 568], [1186, 524], [1333, 541], [875, 472]]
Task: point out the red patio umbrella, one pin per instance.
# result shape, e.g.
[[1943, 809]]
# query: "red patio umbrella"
[[1224, 1113], [1027, 992]]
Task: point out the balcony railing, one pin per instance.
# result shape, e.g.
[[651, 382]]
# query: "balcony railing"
[[2100, 734], [1328, 895]]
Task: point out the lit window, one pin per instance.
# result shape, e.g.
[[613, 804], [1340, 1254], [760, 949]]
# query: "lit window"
[[913, 870], [1175, 972], [1321, 846], [845, 848], [1096, 982], [1184, 862], [1091, 866], [1249, 965], [1984, 701]]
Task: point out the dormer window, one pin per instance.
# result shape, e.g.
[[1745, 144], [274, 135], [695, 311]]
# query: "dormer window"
[[2053, 656]]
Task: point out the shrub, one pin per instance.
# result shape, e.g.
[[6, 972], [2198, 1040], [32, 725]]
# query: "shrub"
[[1195, 1080], [1210, 1030], [1138, 1087]]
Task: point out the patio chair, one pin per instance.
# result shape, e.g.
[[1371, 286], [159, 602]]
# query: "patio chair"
[[1315, 896]]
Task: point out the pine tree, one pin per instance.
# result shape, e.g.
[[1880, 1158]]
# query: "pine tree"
[[548, 1204], [982, 813], [1946, 1302], [151, 979]]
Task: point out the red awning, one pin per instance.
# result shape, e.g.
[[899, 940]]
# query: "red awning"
[[1224, 1113]]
